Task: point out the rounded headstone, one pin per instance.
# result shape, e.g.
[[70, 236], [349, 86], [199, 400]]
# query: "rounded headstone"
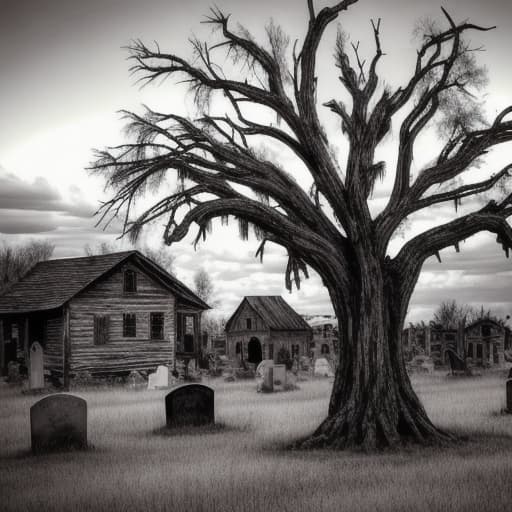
[[190, 405], [58, 422]]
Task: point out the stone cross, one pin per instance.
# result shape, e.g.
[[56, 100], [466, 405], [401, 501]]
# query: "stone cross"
[[36, 379]]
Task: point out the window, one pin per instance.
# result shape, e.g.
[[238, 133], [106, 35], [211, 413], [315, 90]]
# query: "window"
[[186, 333], [271, 351], [101, 324], [129, 325], [325, 348], [449, 337], [249, 323], [156, 326], [130, 281], [486, 330], [295, 350], [470, 350], [479, 351]]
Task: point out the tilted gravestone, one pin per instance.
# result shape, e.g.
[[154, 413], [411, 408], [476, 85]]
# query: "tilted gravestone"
[[192, 404], [509, 396], [36, 379], [58, 422]]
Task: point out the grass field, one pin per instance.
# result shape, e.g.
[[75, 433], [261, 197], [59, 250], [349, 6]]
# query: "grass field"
[[243, 465]]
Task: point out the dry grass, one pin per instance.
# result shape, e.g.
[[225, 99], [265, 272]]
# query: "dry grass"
[[243, 466]]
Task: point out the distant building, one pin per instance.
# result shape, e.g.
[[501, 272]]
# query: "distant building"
[[486, 342], [325, 337], [261, 326], [106, 314], [483, 342]]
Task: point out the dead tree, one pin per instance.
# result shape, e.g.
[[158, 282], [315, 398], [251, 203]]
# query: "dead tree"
[[221, 174]]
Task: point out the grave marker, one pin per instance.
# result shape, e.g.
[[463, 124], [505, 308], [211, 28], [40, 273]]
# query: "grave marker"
[[36, 379], [58, 422], [159, 379], [190, 405], [268, 379], [279, 376]]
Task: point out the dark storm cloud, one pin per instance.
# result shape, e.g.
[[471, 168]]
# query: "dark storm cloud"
[[25, 221], [38, 207], [20, 195], [16, 194]]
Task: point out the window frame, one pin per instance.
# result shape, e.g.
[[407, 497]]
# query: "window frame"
[[99, 340], [126, 281], [152, 315], [126, 326]]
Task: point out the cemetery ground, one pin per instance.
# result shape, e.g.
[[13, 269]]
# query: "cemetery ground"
[[242, 464]]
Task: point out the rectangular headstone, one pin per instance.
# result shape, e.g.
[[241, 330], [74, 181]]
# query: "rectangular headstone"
[[190, 405], [159, 379], [36, 377], [279, 376], [58, 422], [509, 396], [268, 379]]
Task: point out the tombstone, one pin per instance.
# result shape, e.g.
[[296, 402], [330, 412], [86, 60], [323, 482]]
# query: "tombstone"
[[190, 405], [260, 369], [36, 377], [268, 379], [279, 376], [58, 422], [323, 368], [159, 379], [509, 396]]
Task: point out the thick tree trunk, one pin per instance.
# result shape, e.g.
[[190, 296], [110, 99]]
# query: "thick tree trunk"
[[373, 404]]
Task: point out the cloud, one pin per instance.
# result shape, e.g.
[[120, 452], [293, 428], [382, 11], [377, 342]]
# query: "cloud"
[[38, 207], [17, 194]]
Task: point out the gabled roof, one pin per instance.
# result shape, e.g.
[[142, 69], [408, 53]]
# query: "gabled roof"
[[277, 314], [50, 284], [484, 321]]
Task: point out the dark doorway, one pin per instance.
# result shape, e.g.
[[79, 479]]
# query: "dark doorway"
[[254, 354]]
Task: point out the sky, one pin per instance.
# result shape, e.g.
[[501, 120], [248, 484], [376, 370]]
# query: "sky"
[[64, 77]]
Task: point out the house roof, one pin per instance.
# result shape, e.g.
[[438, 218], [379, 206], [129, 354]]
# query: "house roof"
[[484, 321], [277, 314], [50, 284]]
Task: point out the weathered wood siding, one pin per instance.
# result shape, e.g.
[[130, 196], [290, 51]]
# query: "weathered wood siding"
[[239, 323], [107, 297], [239, 332], [285, 339], [53, 344]]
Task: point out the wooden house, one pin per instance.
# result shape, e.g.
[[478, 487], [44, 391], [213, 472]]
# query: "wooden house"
[[107, 314], [261, 326]]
